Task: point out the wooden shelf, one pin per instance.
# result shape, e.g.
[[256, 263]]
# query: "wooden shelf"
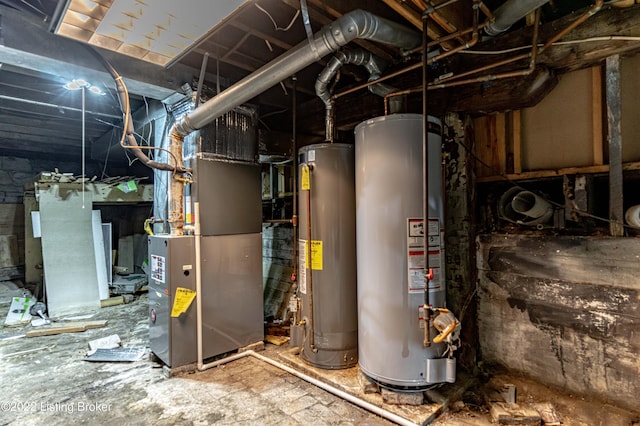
[[555, 173]]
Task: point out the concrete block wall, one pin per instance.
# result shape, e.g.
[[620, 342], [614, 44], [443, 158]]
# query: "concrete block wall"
[[277, 267], [563, 310], [15, 172]]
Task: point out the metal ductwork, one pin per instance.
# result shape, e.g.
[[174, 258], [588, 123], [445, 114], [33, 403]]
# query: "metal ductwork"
[[510, 13], [374, 65], [353, 25]]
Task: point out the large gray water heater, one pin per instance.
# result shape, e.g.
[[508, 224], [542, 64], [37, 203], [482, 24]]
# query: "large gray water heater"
[[390, 251], [327, 321]]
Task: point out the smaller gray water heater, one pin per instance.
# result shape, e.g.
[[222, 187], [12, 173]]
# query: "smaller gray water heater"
[[326, 321]]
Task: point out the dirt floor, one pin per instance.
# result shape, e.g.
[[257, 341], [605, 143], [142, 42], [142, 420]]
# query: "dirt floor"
[[46, 380]]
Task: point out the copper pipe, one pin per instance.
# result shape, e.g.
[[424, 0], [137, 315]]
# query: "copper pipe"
[[309, 259], [474, 38], [398, 93], [487, 12], [452, 36], [278, 221], [380, 80], [534, 43], [441, 5], [491, 77], [534, 52], [426, 341], [484, 68], [437, 18], [294, 148], [592, 11]]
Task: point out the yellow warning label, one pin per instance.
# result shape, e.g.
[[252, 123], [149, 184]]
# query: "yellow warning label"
[[316, 255], [305, 182], [182, 301]]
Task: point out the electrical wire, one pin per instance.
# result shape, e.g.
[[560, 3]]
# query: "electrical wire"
[[557, 43], [125, 104], [127, 114], [275, 25], [34, 8]]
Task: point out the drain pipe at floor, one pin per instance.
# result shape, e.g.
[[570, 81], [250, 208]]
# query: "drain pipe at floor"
[[322, 385]]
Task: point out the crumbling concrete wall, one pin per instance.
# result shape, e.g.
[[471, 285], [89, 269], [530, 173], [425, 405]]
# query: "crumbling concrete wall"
[[460, 232], [564, 311]]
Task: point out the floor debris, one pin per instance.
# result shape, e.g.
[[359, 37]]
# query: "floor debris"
[[548, 413], [19, 310], [109, 342], [117, 355], [67, 327]]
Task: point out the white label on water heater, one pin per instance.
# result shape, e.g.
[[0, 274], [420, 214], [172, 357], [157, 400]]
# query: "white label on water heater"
[[302, 262], [311, 155], [415, 254]]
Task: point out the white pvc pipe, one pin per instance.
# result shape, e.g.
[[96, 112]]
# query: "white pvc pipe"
[[202, 366], [531, 205], [632, 216], [198, 236], [335, 391]]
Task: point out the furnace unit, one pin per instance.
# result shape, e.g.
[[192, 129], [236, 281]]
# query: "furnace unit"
[[227, 186]]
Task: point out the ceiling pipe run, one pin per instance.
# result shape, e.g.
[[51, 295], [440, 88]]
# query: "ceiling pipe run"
[[353, 25], [510, 13]]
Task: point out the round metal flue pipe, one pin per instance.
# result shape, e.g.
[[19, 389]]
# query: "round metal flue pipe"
[[353, 25], [510, 13]]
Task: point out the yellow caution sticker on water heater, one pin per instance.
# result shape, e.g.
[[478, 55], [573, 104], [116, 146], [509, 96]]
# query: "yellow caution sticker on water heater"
[[181, 301], [316, 255], [305, 182]]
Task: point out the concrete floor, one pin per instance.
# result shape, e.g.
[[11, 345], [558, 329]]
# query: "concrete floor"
[[45, 380]]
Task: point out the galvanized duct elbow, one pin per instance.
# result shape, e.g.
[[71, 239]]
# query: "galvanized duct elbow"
[[510, 13], [372, 63], [353, 25]]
